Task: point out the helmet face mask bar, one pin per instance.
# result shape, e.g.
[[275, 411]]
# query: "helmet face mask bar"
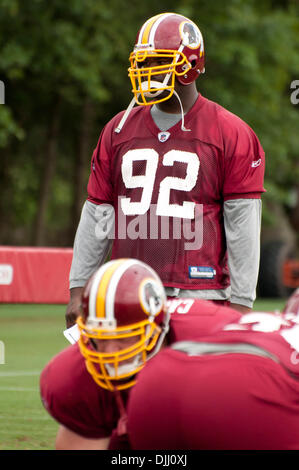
[[120, 327], [146, 88], [109, 369]]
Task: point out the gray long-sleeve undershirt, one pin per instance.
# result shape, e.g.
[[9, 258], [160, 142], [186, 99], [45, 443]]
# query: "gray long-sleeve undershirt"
[[89, 251], [242, 221]]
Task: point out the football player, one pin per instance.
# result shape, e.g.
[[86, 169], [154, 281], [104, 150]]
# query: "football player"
[[175, 181], [235, 388], [123, 323], [211, 377]]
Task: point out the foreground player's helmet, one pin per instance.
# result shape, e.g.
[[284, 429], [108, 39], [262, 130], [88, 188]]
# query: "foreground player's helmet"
[[177, 42], [124, 299], [292, 305]]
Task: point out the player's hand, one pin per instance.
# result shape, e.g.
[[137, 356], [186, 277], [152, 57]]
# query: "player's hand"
[[73, 309], [241, 308]]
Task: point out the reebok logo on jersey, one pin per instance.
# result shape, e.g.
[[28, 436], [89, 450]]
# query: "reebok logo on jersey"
[[163, 136], [256, 163]]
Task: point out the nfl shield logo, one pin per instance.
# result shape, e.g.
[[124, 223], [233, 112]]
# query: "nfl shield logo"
[[163, 136]]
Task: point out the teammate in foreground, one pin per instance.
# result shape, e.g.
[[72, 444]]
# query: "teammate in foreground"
[[124, 324], [179, 159], [236, 388]]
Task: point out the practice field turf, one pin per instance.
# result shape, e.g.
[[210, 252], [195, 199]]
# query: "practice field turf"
[[32, 334]]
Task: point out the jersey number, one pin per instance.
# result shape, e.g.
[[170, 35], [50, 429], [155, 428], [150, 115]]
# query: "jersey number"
[[147, 181], [268, 323]]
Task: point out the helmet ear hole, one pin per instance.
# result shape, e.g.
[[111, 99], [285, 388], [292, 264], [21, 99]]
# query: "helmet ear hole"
[[193, 63]]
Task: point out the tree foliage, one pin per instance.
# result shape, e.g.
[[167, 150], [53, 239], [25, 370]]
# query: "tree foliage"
[[64, 66]]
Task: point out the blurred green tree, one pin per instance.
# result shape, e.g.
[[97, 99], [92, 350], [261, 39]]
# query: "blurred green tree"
[[64, 68]]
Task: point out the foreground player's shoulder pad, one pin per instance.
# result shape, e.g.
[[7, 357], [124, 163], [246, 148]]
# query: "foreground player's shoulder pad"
[[71, 397], [193, 318]]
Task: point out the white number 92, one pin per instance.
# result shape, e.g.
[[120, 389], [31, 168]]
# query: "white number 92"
[[147, 181]]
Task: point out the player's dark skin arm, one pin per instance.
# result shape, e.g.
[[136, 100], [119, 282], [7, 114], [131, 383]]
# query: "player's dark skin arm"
[[241, 308], [73, 308]]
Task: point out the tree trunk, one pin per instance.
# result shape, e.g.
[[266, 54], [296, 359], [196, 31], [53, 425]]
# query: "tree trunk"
[[5, 209], [294, 217], [47, 177], [83, 158]]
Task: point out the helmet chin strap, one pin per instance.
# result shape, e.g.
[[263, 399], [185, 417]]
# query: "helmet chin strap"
[[144, 85], [153, 84], [182, 112], [125, 116], [123, 368]]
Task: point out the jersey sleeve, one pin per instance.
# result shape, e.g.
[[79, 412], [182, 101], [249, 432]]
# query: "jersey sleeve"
[[99, 186], [190, 319], [244, 160], [73, 399]]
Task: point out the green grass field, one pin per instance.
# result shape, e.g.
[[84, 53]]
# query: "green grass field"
[[32, 334]]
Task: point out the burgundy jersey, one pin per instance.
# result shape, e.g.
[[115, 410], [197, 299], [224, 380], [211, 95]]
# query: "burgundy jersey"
[[72, 397], [275, 333], [74, 400], [213, 402], [168, 188], [229, 400]]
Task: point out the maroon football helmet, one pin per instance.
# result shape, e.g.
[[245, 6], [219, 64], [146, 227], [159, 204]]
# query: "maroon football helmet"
[[175, 46], [124, 302]]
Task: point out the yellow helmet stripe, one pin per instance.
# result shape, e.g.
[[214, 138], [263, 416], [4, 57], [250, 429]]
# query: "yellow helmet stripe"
[[144, 33], [103, 286], [147, 27], [111, 291]]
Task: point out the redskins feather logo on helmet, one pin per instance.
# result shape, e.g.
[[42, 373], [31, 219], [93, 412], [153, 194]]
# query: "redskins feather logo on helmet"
[[177, 43], [123, 322]]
